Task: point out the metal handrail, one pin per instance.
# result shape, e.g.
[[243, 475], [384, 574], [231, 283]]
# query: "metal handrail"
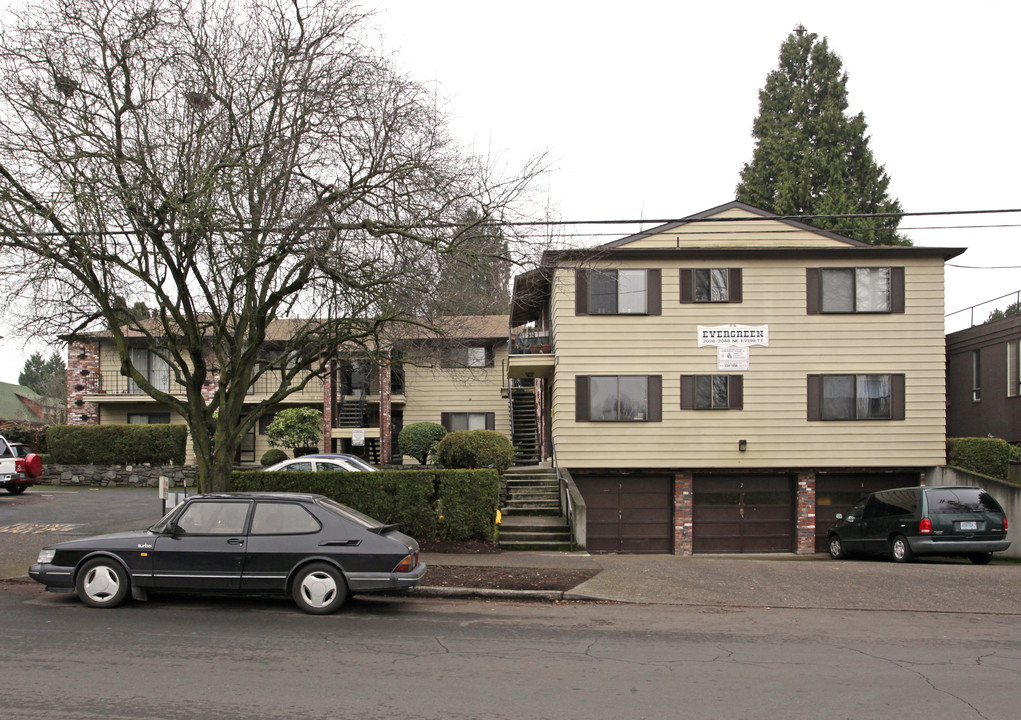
[[565, 493], [1017, 300]]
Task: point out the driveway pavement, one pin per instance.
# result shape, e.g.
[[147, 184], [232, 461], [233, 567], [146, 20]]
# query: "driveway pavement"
[[44, 515]]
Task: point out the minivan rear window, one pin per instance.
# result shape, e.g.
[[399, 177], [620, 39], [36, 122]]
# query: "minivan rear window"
[[947, 501]]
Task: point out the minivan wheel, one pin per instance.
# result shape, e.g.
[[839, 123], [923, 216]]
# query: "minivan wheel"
[[981, 558], [837, 551], [901, 550]]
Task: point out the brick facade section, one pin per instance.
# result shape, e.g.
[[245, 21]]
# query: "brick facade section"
[[329, 406], [82, 380], [806, 513], [385, 413], [682, 512]]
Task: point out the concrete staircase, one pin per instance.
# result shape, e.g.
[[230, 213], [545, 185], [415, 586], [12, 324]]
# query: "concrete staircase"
[[532, 519]]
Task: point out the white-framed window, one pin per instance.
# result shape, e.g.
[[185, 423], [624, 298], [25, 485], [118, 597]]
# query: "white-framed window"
[[860, 290], [712, 392], [454, 421], [856, 397], [152, 367], [148, 418], [618, 292], [1013, 368]]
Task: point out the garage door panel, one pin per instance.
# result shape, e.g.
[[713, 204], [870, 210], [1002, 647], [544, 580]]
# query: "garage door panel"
[[628, 514], [742, 513], [837, 492]]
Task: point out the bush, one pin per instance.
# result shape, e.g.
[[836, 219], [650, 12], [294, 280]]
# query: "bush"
[[117, 444], [404, 497], [272, 457], [475, 449], [419, 439], [467, 503], [32, 435], [296, 427], [986, 456]]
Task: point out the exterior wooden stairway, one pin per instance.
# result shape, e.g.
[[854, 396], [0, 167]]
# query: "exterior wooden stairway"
[[532, 519], [525, 434]]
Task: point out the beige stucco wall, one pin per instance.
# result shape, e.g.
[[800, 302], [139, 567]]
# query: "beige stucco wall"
[[773, 421], [431, 391]]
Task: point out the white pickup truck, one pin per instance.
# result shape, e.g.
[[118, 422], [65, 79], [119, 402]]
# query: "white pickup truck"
[[19, 467]]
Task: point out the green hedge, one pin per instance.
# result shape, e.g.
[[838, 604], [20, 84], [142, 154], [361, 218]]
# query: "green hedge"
[[117, 444], [411, 498], [986, 456], [468, 500], [32, 435]]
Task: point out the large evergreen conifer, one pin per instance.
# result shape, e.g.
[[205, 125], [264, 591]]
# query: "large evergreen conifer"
[[811, 157]]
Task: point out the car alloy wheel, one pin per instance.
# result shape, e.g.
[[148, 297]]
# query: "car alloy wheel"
[[901, 550], [837, 551], [102, 583], [319, 589]]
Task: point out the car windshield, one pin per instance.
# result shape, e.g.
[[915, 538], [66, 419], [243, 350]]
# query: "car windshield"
[[345, 512], [949, 501], [161, 525]]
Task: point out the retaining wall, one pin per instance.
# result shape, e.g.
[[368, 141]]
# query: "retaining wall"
[[119, 475], [1007, 494]]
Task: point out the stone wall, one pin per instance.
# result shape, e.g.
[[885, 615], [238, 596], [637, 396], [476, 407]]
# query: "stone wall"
[[119, 475]]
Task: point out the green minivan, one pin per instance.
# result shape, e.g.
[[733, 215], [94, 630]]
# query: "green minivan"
[[905, 522]]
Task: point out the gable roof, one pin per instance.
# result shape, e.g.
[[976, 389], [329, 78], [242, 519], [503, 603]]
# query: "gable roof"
[[732, 212]]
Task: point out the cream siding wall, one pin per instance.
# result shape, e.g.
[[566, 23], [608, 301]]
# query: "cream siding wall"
[[432, 391], [773, 420], [722, 234]]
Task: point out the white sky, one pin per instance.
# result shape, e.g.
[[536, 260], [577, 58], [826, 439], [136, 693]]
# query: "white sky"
[[645, 108]]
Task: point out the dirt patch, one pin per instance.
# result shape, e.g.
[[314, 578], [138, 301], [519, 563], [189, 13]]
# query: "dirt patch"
[[505, 578]]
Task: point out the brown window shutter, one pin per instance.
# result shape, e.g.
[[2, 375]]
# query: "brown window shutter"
[[490, 356], [735, 392], [490, 421], [897, 290], [813, 291], [445, 420], [687, 285], [815, 397], [687, 392], [897, 396], [654, 291], [581, 292], [734, 291], [655, 391], [581, 398]]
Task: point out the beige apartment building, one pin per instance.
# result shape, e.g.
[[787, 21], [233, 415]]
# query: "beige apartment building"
[[729, 382]]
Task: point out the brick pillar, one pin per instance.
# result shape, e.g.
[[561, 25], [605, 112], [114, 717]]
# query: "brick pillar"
[[82, 379], [329, 407], [682, 513], [385, 412], [806, 513]]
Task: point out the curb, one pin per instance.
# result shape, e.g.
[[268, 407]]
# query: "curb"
[[455, 592]]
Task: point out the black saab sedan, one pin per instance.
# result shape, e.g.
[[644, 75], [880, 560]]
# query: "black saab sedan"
[[306, 546]]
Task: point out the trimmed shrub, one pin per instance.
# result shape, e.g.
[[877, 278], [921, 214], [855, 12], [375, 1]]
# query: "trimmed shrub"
[[272, 457], [986, 456], [418, 440], [467, 502], [117, 444], [32, 435], [297, 428], [475, 449], [404, 497]]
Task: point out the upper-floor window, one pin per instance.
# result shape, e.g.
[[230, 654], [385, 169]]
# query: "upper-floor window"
[[711, 285], [618, 292], [976, 375], [1013, 368], [712, 392], [856, 397], [152, 367], [469, 357], [618, 398], [855, 290]]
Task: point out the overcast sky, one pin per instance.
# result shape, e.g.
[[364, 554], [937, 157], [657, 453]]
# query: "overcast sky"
[[645, 108]]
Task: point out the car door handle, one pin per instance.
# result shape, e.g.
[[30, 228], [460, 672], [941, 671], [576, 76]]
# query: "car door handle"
[[235, 541]]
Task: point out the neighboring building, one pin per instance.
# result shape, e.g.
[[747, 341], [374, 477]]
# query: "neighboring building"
[[455, 379], [23, 405], [984, 380], [727, 383]]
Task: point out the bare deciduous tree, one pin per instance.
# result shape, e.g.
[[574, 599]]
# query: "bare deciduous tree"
[[253, 173]]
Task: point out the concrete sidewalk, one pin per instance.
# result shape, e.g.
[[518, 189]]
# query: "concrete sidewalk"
[[778, 581]]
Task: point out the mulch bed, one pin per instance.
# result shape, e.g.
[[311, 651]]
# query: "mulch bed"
[[495, 578]]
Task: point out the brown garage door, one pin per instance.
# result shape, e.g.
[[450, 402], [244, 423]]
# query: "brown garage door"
[[628, 514], [837, 492], [742, 514]]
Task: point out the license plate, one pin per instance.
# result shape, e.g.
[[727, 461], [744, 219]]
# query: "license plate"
[[969, 525]]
